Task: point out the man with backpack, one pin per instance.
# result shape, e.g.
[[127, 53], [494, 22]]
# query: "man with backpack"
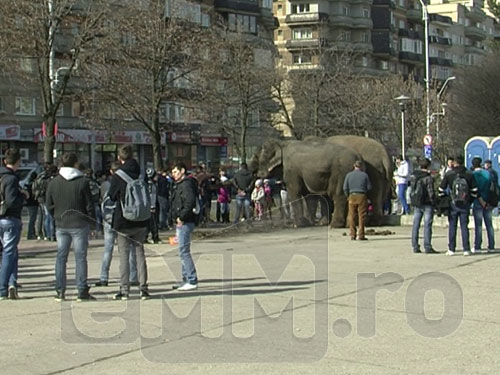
[[463, 190], [482, 207], [183, 211], [131, 220], [69, 201], [423, 198]]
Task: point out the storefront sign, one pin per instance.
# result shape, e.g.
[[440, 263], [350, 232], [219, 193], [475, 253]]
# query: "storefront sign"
[[180, 137], [99, 136], [213, 141], [10, 132]]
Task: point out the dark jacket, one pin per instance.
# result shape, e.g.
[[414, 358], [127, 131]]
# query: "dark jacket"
[[243, 180], [450, 176], [429, 195], [14, 199], [117, 193], [69, 199], [164, 187], [183, 201]]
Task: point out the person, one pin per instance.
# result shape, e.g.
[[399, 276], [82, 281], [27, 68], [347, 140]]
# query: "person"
[[481, 209], [204, 183], [151, 180], [108, 210], [462, 188], [285, 206], [423, 200], [131, 234], [488, 165], [10, 223], [95, 190], [223, 197], [163, 191], [356, 186], [269, 202], [184, 197], [259, 199], [401, 177], [69, 201], [32, 207], [243, 182], [40, 191], [448, 167]]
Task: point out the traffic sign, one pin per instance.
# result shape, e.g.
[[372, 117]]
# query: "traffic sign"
[[427, 140], [428, 151]]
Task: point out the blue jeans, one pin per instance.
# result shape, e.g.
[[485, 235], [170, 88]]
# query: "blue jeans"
[[98, 217], [481, 214], [109, 243], [163, 202], [10, 234], [402, 197], [33, 213], [48, 223], [183, 233], [242, 201], [80, 239], [428, 213], [455, 214]]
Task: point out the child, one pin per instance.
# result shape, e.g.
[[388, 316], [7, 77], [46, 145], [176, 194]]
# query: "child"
[[223, 198], [259, 198], [269, 203]]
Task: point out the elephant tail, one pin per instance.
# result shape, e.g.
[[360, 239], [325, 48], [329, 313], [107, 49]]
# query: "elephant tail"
[[389, 170]]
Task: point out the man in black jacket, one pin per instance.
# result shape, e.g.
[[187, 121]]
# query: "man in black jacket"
[[10, 223], [243, 181], [69, 201], [458, 210], [184, 198], [131, 234]]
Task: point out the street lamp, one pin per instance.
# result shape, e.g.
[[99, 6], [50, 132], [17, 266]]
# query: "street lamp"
[[443, 105], [402, 99], [425, 18]]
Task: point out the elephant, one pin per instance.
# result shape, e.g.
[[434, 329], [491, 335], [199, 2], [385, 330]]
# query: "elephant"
[[309, 167], [379, 168]]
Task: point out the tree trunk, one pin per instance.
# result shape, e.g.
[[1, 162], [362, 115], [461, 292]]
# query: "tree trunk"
[[156, 143], [50, 140]]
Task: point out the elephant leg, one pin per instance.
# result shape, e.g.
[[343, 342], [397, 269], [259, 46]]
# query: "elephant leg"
[[340, 211], [296, 203], [311, 205], [377, 199]]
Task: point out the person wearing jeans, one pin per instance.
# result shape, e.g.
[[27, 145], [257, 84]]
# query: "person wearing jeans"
[[243, 181], [481, 209], [10, 223], [422, 185], [183, 204], [69, 201], [401, 176]]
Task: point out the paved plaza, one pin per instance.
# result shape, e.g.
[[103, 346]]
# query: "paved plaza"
[[270, 300]]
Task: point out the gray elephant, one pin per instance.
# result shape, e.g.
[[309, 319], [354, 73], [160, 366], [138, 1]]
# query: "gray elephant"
[[309, 167], [379, 168]]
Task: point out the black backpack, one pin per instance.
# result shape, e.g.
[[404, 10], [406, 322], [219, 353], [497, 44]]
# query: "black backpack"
[[39, 187], [417, 192], [3, 203], [460, 192]]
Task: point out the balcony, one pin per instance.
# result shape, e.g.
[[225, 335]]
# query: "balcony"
[[382, 44], [435, 39], [341, 21], [412, 34], [306, 18], [411, 57], [293, 44], [414, 14], [390, 3], [440, 20], [248, 6], [362, 23], [474, 33], [366, 2], [475, 49], [440, 61], [475, 14]]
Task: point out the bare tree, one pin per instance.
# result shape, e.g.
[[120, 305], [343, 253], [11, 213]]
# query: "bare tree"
[[150, 73], [57, 38], [239, 84], [475, 100]]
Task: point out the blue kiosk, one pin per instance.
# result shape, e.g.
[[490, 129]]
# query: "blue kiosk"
[[480, 147]]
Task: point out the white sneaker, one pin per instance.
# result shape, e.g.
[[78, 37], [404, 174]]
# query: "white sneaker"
[[450, 253], [476, 251], [491, 250], [187, 286], [467, 253]]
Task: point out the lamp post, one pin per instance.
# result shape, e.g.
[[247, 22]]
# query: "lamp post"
[[425, 18], [402, 99], [443, 105]]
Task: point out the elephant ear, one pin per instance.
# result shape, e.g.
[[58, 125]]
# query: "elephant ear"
[[272, 151]]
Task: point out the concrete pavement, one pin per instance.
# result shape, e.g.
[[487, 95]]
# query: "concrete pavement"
[[296, 301]]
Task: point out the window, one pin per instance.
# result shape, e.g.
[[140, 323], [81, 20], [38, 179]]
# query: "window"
[[267, 4], [253, 119], [300, 8], [364, 61], [402, 24], [384, 65], [300, 58], [365, 37], [304, 33], [345, 11], [393, 19], [345, 36], [75, 109], [25, 106], [280, 7], [26, 65], [366, 13], [173, 112], [242, 23], [402, 3]]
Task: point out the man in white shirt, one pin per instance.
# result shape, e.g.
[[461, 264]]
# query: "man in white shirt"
[[401, 177]]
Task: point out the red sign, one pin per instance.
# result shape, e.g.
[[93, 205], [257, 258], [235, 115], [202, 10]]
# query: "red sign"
[[213, 141], [10, 132]]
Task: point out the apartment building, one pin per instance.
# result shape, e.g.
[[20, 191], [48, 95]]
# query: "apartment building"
[[185, 135]]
